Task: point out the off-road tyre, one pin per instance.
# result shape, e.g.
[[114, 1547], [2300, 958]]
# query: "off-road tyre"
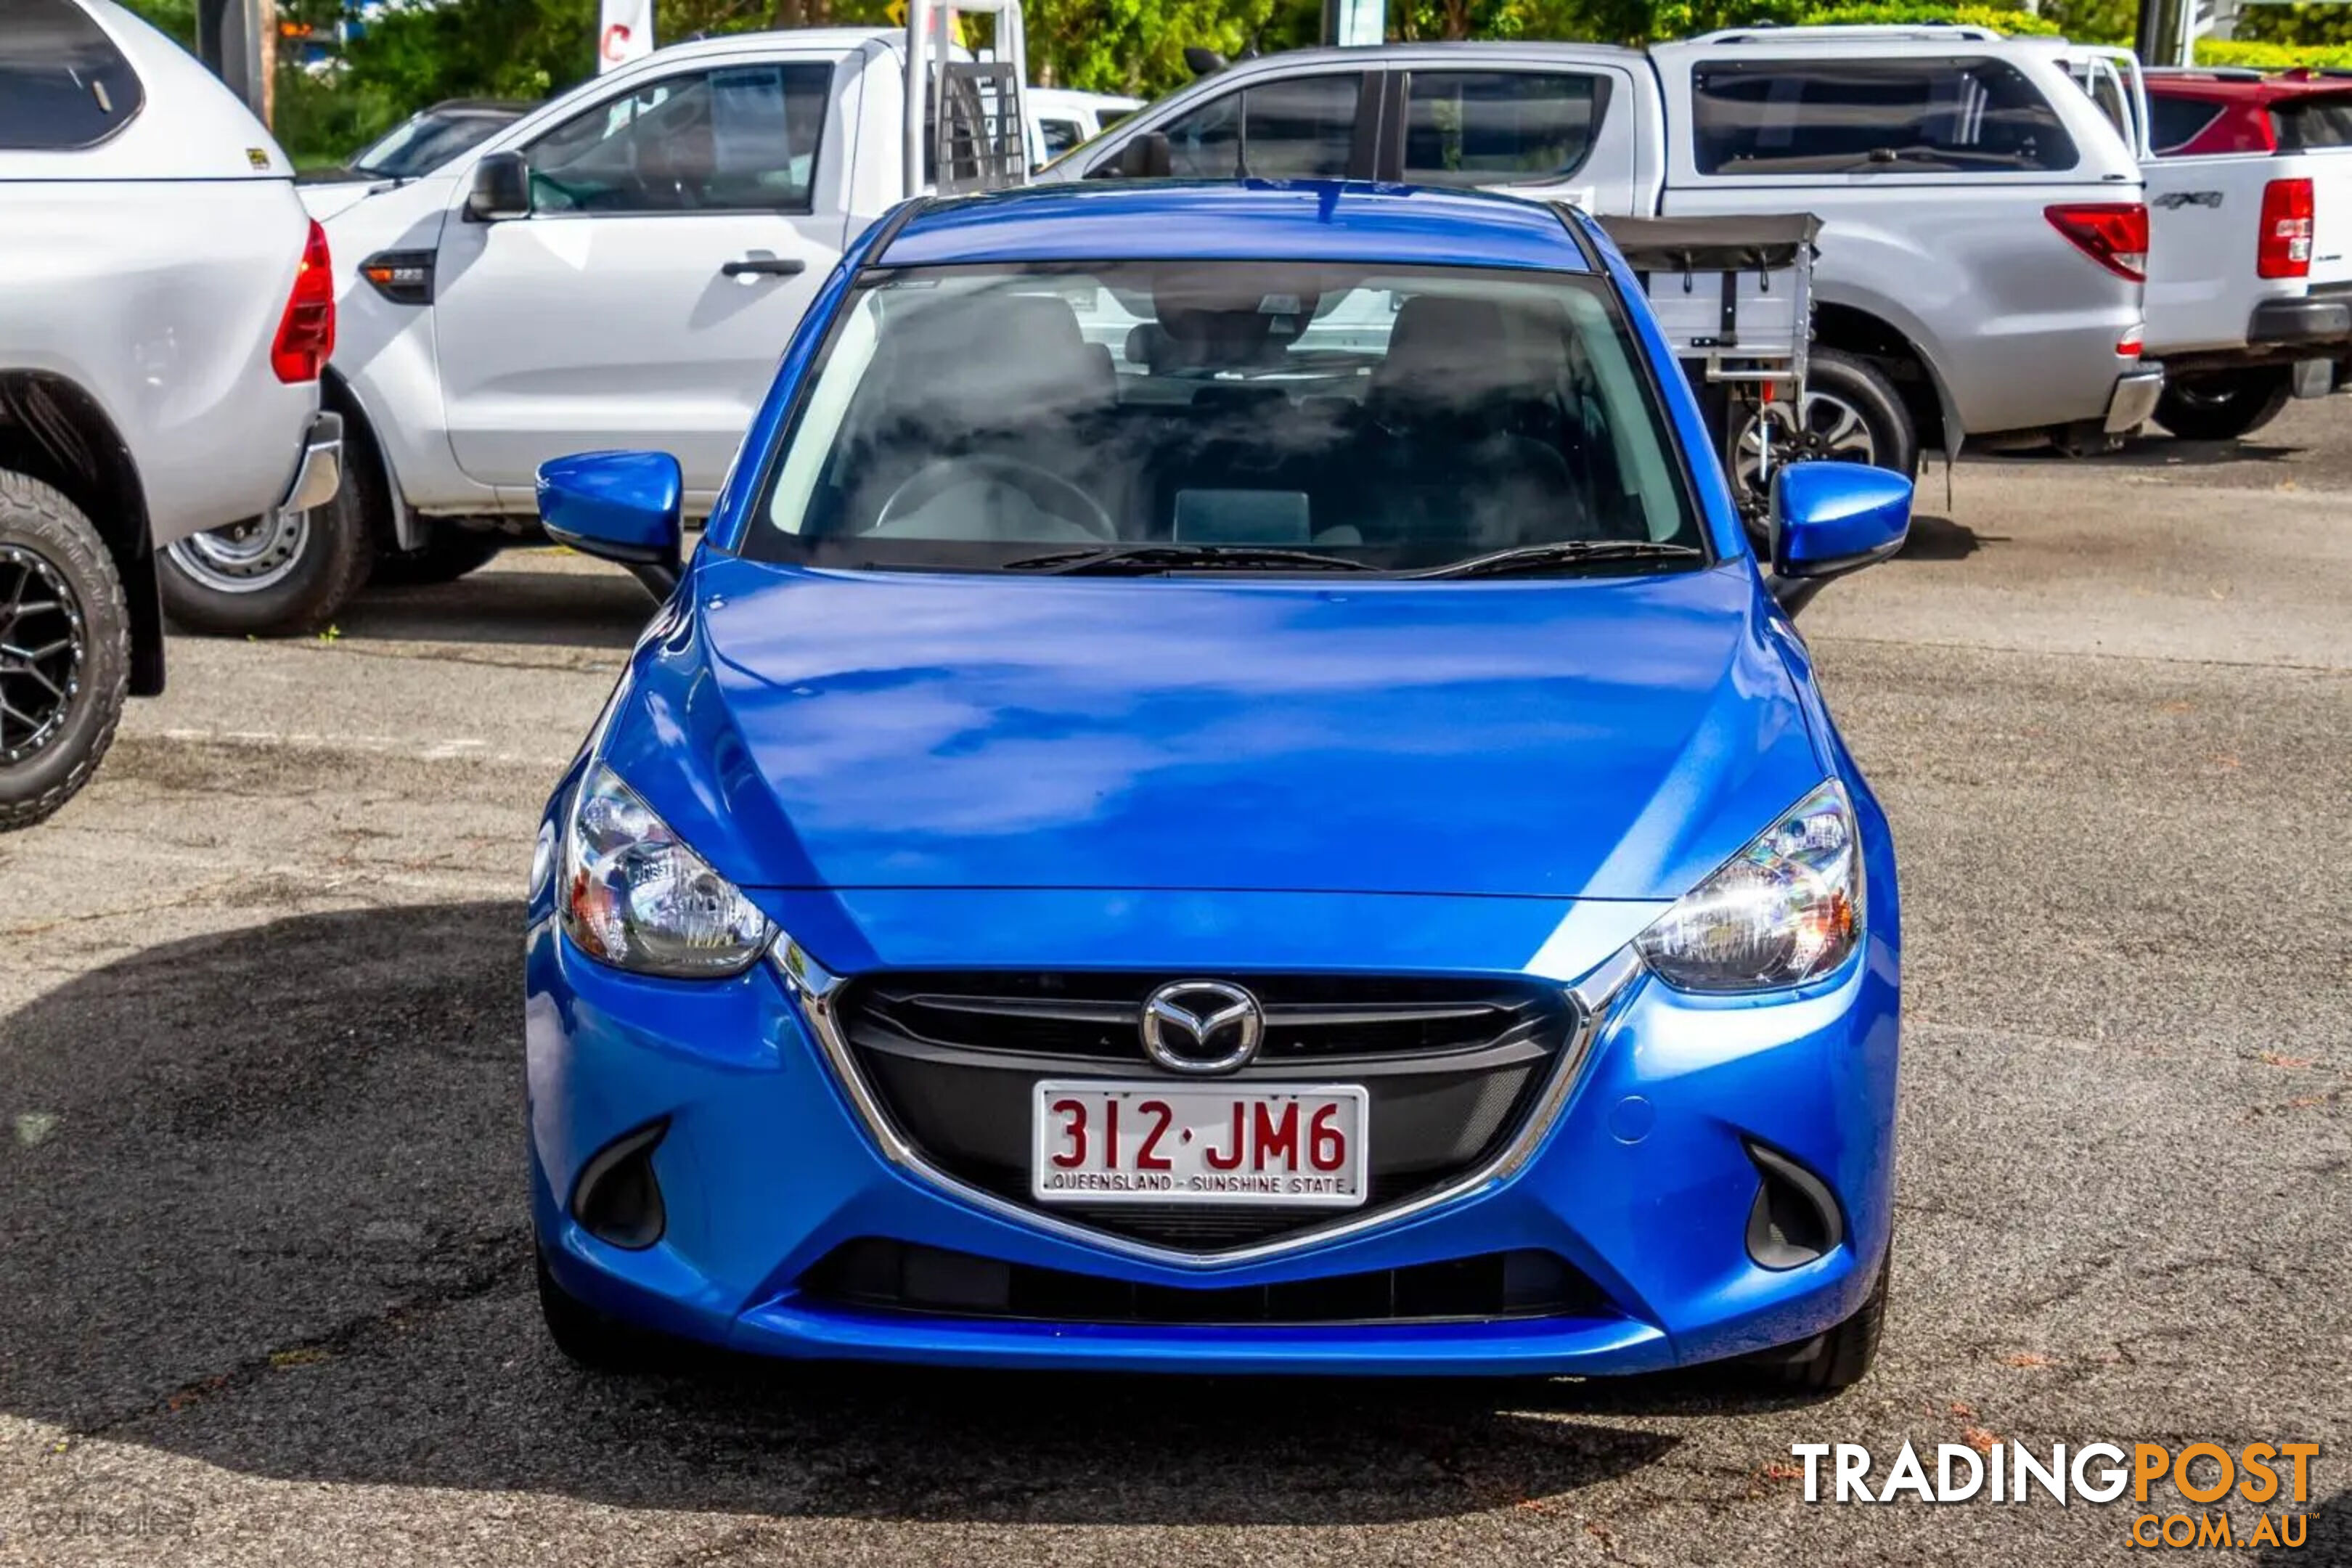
[[64, 705]]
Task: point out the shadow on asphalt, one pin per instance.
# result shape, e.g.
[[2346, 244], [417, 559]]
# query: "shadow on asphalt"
[[507, 604], [2145, 451], [1941, 539], [266, 1210]]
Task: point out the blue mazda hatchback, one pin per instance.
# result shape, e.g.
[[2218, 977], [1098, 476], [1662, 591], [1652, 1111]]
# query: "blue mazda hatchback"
[[1224, 791]]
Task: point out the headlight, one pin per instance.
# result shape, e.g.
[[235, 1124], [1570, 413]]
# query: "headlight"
[[636, 896], [1783, 910]]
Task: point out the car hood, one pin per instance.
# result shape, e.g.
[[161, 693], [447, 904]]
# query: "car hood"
[[331, 198], [1600, 737]]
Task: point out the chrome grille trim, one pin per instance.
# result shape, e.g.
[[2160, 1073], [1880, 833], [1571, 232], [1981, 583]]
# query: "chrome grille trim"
[[816, 990]]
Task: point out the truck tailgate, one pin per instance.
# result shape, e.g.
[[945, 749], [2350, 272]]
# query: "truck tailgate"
[[2331, 212], [2205, 223]]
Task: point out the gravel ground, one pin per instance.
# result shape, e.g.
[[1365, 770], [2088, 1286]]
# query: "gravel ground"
[[263, 1293]]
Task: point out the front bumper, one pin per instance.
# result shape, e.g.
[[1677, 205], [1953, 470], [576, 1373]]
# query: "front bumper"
[[1644, 1183], [2134, 401]]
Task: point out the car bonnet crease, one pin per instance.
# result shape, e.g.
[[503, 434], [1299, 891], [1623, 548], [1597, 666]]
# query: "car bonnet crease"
[[1600, 737]]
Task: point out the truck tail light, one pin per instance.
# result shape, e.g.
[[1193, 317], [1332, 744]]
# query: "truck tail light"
[[306, 333], [2113, 233], [2283, 248]]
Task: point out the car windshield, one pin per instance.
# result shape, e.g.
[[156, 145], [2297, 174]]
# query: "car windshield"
[[1229, 414], [422, 144]]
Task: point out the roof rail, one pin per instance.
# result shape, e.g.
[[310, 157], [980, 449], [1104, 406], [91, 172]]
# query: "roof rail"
[[1836, 33]]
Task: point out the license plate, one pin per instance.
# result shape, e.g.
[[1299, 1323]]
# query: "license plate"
[[1095, 1142]]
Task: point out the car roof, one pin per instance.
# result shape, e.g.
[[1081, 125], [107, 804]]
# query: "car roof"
[[1442, 50], [1288, 220], [771, 37]]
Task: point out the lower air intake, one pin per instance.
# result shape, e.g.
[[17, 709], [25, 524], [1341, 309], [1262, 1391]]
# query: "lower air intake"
[[895, 1276]]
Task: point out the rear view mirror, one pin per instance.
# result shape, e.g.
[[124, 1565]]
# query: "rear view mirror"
[[501, 188], [1829, 519], [621, 506]]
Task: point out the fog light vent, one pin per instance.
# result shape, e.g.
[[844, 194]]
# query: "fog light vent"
[[1795, 1217], [616, 1199]]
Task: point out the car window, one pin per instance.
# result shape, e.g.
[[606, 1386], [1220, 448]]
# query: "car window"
[[2312, 124], [1301, 129], [422, 144], [63, 84], [2177, 121], [2104, 86], [734, 139], [1899, 116], [1397, 417], [1477, 128], [1058, 135]]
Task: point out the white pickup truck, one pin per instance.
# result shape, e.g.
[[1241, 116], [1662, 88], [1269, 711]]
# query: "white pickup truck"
[[621, 266], [1983, 236], [165, 310], [2250, 279]]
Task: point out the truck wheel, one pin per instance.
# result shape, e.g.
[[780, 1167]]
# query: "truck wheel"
[[2222, 405], [64, 650], [449, 551], [282, 572], [1852, 414]]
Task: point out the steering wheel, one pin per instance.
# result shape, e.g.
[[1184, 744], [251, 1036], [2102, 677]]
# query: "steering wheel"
[[1042, 485]]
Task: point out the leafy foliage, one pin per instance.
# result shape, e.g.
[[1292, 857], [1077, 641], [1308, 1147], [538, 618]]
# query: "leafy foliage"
[[416, 52], [2272, 56], [2302, 25]]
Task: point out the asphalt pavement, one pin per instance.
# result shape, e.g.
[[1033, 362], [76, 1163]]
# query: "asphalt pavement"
[[265, 1293]]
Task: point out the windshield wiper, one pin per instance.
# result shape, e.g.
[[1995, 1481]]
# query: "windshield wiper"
[[1146, 558], [1565, 553]]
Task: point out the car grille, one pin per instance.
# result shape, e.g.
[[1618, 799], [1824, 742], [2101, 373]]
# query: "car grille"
[[893, 1276], [1450, 1068]]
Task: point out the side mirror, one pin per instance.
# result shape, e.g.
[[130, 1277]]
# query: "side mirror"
[[621, 506], [501, 188], [1146, 157], [1829, 519], [1203, 61]]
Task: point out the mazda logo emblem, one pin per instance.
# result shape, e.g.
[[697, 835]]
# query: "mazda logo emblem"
[[1203, 1026]]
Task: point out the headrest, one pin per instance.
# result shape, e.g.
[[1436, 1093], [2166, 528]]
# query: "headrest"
[[1455, 352], [997, 363]]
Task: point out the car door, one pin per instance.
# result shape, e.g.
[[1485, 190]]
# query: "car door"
[[1555, 130], [679, 228]]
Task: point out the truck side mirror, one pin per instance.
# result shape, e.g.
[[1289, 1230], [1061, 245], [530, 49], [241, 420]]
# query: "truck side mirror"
[[1830, 519], [1146, 157], [621, 506], [1202, 61], [501, 188]]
